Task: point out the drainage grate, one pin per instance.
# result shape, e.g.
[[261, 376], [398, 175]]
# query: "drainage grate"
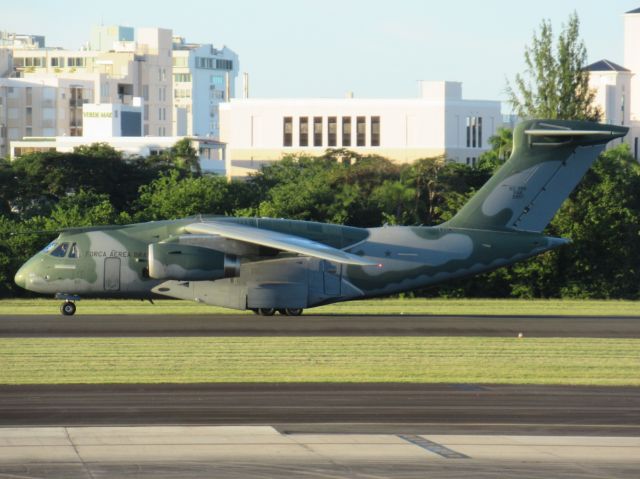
[[433, 446]]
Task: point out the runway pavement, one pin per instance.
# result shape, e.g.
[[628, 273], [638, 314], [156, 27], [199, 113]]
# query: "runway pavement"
[[318, 430], [368, 408], [263, 452], [311, 325]]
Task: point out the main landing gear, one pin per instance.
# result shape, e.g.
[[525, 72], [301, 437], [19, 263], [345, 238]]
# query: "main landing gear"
[[272, 311], [68, 308]]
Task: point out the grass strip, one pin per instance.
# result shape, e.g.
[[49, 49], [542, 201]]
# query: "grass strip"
[[569, 361], [494, 307]]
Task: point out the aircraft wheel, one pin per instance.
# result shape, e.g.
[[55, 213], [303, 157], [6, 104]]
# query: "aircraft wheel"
[[266, 311], [68, 308], [293, 311]]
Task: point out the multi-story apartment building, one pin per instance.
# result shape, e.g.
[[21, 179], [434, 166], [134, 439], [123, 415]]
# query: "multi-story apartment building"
[[113, 69], [203, 77], [44, 107], [439, 122]]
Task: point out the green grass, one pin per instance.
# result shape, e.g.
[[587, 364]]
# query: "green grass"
[[321, 359], [494, 307], [380, 306]]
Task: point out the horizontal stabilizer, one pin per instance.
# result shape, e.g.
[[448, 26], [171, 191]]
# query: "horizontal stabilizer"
[[552, 132]]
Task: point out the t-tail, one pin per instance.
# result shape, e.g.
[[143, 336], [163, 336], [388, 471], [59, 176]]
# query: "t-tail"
[[549, 158]]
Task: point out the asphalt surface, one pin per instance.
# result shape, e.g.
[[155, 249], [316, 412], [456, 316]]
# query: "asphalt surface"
[[304, 408], [311, 325], [323, 430]]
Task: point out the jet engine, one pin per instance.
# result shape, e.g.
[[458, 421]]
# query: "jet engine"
[[174, 261]]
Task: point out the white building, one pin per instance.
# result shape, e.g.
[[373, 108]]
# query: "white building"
[[120, 126], [122, 70], [45, 106], [131, 146], [618, 87], [203, 77], [109, 120], [439, 122]]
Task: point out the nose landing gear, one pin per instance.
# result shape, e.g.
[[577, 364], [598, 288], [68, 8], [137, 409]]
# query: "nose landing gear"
[[68, 308]]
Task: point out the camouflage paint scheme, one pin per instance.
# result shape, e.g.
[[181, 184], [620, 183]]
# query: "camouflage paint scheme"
[[500, 225]]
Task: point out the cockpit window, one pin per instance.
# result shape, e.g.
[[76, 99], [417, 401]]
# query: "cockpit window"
[[61, 250], [49, 247], [73, 252]]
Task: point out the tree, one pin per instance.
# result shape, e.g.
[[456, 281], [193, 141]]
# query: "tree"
[[181, 156], [555, 84], [171, 196]]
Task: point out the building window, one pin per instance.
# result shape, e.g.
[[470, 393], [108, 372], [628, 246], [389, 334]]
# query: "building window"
[[180, 61], [182, 77], [224, 65], [206, 63], [287, 139], [375, 131], [346, 131], [218, 80], [474, 132], [75, 61], [57, 62], [145, 92], [361, 131], [304, 131], [317, 131], [332, 130]]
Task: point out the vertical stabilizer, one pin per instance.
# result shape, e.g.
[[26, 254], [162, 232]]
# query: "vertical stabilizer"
[[549, 158]]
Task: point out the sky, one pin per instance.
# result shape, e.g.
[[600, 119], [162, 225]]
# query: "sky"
[[373, 48]]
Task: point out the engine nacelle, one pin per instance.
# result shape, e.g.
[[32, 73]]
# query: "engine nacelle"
[[190, 263]]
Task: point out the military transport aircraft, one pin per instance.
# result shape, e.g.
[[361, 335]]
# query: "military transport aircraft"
[[268, 265]]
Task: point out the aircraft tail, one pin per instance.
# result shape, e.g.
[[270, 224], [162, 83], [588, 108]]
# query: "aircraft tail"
[[549, 158]]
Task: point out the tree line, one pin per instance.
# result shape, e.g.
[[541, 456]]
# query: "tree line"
[[40, 193]]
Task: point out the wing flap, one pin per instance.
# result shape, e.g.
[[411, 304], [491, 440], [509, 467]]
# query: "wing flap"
[[276, 240]]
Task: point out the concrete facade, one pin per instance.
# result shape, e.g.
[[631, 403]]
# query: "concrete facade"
[[438, 122], [617, 87], [128, 69], [42, 107], [203, 78]]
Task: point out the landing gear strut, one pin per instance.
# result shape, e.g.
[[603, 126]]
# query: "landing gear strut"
[[68, 308]]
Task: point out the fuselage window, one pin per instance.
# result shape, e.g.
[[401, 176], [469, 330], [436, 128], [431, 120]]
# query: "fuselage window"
[[73, 252], [61, 250]]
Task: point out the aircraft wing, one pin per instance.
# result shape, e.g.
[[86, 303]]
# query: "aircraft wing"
[[276, 240]]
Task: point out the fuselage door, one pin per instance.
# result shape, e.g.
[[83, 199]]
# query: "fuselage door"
[[112, 274], [332, 277]]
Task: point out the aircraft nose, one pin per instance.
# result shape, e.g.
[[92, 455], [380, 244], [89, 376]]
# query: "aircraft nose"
[[21, 278]]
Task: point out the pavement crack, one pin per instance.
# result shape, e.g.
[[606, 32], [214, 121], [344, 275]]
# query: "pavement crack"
[[75, 448]]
